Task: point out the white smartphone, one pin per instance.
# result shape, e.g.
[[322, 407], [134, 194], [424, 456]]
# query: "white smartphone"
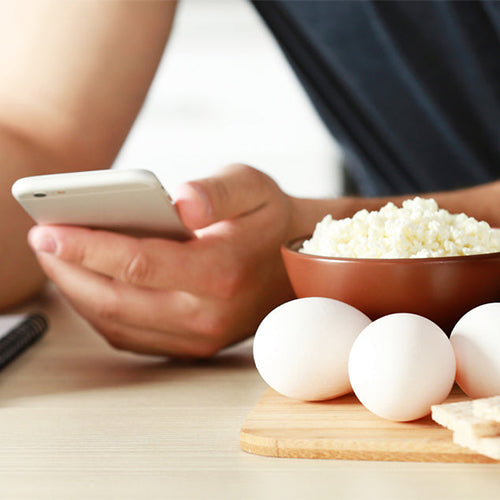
[[127, 201]]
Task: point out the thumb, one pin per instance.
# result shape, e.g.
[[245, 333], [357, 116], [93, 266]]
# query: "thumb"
[[234, 191]]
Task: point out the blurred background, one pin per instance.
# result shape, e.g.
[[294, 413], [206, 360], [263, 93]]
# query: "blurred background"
[[224, 93]]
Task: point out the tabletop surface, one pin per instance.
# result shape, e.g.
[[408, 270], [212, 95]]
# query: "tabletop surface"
[[82, 420]]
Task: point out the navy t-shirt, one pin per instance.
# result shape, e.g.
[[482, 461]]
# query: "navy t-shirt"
[[410, 89]]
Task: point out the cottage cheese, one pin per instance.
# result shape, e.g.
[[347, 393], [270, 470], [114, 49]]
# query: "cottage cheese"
[[419, 229]]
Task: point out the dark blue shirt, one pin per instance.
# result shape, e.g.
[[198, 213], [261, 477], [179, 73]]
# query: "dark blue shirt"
[[410, 89]]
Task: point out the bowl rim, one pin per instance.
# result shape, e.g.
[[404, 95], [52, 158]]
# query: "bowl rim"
[[290, 247]]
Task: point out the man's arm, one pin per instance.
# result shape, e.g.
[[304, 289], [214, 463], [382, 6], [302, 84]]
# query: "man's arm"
[[74, 76], [193, 298], [481, 202]]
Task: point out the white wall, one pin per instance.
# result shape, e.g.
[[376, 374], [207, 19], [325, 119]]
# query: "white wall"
[[224, 93]]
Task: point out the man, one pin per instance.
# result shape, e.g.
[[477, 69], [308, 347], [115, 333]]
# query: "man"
[[383, 81]]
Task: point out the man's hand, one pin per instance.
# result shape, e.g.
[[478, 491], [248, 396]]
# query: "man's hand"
[[186, 299]]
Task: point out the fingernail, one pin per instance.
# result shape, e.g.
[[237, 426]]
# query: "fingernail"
[[203, 197], [42, 241], [191, 190], [194, 205]]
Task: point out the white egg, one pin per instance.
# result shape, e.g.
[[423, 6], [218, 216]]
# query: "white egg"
[[476, 341], [400, 365], [301, 348]]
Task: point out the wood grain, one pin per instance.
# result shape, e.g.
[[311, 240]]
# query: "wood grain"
[[343, 429]]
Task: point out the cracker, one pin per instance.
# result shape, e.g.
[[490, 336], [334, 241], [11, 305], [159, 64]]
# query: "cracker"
[[461, 418], [489, 446], [487, 408]]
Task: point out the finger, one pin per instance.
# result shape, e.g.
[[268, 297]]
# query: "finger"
[[235, 191], [119, 302], [149, 263], [145, 341], [187, 323]]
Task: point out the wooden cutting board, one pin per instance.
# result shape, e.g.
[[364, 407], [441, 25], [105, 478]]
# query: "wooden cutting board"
[[343, 429]]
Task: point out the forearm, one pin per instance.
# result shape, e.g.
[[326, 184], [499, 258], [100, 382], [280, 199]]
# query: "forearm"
[[20, 274], [481, 202], [75, 75]]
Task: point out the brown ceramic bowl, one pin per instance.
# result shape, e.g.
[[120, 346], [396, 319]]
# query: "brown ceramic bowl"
[[441, 289]]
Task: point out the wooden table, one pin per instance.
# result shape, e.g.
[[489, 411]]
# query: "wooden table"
[[80, 420]]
